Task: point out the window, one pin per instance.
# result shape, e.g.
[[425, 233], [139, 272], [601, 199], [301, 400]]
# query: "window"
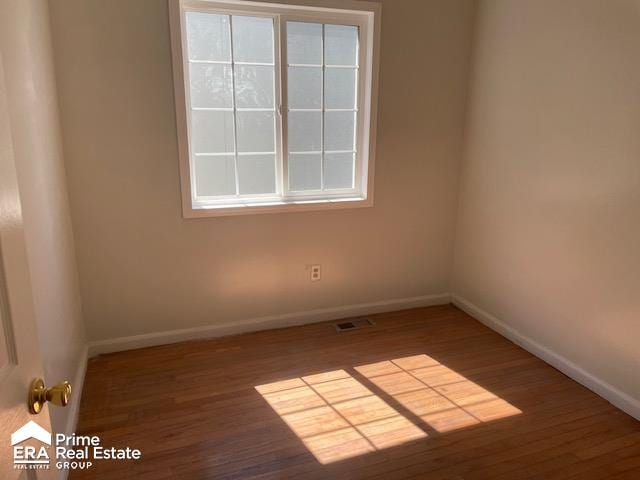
[[274, 105]]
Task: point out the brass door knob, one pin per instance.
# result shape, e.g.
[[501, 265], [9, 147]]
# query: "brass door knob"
[[39, 395]]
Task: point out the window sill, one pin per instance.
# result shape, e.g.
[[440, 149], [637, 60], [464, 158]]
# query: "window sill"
[[275, 207]]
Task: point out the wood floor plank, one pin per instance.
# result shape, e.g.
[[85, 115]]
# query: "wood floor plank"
[[424, 393]]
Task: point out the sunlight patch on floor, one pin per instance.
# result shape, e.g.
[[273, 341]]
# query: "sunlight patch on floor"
[[337, 417], [441, 397]]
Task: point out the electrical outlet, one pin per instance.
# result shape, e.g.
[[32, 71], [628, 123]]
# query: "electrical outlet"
[[315, 273]]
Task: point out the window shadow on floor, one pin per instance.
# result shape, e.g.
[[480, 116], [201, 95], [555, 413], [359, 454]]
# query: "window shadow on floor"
[[344, 413]]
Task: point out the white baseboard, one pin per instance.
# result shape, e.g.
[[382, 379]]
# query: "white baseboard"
[[76, 396], [264, 323], [618, 398]]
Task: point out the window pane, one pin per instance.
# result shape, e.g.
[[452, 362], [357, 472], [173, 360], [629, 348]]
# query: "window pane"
[[211, 131], [340, 45], [254, 86], [257, 174], [215, 175], [305, 131], [234, 151], [305, 87], [211, 85], [208, 36], [340, 88], [338, 170], [304, 43], [252, 39], [305, 172], [339, 130], [256, 131]]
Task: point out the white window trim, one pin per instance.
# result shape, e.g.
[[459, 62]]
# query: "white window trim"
[[339, 11]]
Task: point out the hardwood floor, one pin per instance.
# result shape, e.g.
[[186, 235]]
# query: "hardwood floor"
[[425, 393]]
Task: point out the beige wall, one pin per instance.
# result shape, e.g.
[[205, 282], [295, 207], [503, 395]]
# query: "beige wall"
[[548, 239], [143, 268], [29, 78]]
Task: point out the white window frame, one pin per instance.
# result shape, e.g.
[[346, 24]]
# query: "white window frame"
[[365, 15]]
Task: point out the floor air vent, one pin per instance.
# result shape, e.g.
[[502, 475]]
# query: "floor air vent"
[[354, 324]]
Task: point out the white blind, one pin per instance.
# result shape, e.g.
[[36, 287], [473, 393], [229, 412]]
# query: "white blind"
[[232, 85], [322, 66]]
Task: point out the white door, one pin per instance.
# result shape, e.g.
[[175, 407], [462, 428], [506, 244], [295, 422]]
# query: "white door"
[[20, 360]]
